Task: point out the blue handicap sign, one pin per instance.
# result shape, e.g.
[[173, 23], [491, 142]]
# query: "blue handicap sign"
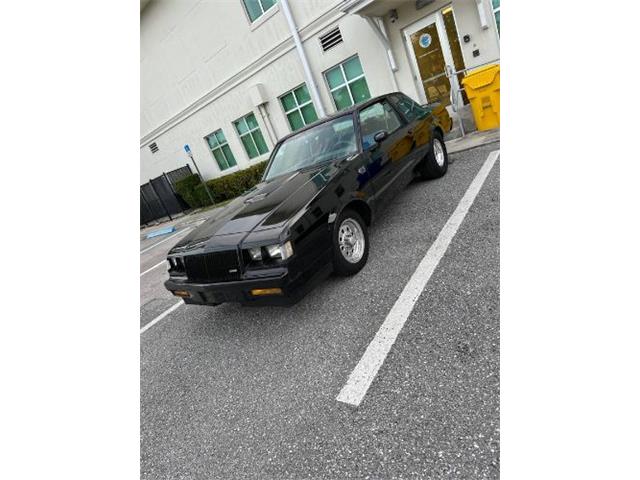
[[187, 149]]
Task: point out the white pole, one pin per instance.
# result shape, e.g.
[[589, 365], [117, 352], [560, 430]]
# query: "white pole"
[[267, 121], [313, 88]]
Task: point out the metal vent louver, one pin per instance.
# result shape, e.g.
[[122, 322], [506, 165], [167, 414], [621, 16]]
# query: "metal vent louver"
[[153, 147], [331, 39]]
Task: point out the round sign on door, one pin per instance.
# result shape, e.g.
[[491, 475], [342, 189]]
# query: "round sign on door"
[[425, 40]]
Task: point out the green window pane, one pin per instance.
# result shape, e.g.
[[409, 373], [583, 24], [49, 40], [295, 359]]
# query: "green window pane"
[[302, 94], [241, 126], [260, 143], [253, 8], [231, 160], [288, 102], [352, 68], [249, 146], [251, 121], [309, 113], [211, 140], [334, 77], [360, 90], [342, 98], [267, 4], [496, 3], [295, 120], [498, 21], [220, 137], [222, 163]]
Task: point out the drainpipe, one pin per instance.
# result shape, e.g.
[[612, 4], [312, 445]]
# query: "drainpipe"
[[313, 88], [267, 121], [377, 25]]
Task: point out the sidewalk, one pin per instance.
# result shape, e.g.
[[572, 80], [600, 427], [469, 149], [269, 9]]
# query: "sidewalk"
[[472, 140]]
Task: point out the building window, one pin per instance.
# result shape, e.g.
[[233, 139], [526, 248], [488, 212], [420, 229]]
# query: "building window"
[[347, 83], [251, 136], [256, 8], [220, 150], [298, 107], [496, 13]]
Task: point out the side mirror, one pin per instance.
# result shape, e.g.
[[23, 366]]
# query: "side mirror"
[[380, 136]]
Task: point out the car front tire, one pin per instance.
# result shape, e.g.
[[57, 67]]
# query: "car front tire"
[[436, 162], [350, 243]]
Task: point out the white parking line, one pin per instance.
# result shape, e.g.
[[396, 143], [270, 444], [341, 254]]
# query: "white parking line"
[[160, 317], [155, 266], [362, 376], [164, 240]]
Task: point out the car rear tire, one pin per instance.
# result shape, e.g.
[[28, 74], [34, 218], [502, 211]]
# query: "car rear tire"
[[436, 161], [350, 243]]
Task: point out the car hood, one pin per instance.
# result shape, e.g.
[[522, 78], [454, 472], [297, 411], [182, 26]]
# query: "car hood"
[[267, 205]]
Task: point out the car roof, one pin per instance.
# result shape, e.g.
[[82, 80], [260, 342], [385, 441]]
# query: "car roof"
[[341, 113]]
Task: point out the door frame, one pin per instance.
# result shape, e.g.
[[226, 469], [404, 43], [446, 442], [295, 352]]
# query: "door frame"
[[435, 17]]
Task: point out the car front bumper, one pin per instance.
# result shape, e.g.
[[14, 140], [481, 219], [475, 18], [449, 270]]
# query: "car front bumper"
[[293, 288]]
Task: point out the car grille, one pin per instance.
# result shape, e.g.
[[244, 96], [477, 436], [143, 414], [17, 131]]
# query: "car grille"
[[213, 267]]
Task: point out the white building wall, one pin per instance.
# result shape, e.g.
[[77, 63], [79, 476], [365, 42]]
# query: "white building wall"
[[199, 58], [226, 62]]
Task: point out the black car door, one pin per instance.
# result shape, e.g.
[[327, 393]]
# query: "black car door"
[[420, 118], [388, 146]]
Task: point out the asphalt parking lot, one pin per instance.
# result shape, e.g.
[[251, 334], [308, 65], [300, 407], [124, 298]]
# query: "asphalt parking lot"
[[245, 392]]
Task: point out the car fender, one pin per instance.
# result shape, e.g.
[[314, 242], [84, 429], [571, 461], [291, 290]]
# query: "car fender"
[[363, 206]]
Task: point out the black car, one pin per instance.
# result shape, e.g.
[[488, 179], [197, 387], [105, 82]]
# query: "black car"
[[309, 216]]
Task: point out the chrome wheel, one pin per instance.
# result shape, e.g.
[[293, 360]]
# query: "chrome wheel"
[[438, 152], [351, 240]]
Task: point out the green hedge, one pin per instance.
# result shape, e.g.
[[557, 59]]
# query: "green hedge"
[[185, 188], [222, 188]]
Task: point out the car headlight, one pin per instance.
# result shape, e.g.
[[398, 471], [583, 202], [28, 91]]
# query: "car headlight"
[[255, 253], [281, 252], [176, 265]]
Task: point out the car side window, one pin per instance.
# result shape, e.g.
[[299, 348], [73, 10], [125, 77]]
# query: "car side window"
[[410, 109], [377, 117]]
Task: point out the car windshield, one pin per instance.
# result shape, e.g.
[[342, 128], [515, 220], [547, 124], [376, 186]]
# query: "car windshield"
[[327, 141]]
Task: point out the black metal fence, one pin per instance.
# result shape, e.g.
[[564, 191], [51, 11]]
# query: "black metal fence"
[[158, 198]]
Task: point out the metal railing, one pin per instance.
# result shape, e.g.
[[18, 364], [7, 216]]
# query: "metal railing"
[[456, 91]]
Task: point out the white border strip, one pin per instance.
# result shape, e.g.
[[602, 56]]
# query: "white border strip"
[[362, 376], [154, 267], [160, 317]]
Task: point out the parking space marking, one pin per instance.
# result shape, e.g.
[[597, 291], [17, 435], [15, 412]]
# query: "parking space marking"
[[154, 267], [160, 317], [164, 240], [367, 368]]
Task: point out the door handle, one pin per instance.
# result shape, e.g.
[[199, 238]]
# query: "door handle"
[[448, 71]]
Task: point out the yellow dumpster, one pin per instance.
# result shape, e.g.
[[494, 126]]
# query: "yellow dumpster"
[[483, 90]]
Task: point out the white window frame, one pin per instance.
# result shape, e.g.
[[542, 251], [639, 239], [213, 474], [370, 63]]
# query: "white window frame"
[[298, 106], [261, 16], [347, 82], [495, 21], [219, 147], [250, 133]]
